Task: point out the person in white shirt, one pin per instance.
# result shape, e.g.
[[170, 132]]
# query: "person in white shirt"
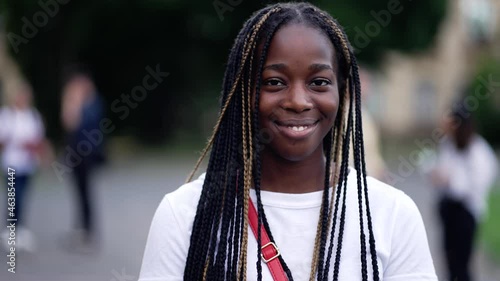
[[290, 93], [465, 172], [21, 141]]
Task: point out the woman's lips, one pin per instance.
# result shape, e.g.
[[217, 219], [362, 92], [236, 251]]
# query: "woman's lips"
[[297, 131]]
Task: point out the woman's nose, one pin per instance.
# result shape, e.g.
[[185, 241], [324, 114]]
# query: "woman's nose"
[[297, 99]]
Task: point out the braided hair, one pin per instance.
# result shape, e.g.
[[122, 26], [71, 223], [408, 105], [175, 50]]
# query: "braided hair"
[[219, 238]]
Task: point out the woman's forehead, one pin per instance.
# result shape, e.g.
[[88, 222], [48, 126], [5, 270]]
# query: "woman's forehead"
[[295, 42]]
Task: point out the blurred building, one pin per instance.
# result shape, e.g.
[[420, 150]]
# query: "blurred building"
[[412, 92]]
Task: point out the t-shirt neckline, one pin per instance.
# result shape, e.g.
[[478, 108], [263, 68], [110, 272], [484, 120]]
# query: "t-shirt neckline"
[[292, 200]]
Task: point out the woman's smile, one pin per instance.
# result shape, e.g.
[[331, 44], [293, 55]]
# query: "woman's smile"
[[297, 129]]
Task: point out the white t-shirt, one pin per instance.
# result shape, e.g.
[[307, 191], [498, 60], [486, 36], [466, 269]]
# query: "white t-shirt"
[[401, 241], [18, 127], [470, 173]]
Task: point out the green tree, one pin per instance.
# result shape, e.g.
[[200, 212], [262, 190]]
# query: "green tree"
[[375, 26], [484, 100]]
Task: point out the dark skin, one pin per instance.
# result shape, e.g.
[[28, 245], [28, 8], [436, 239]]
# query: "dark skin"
[[298, 104]]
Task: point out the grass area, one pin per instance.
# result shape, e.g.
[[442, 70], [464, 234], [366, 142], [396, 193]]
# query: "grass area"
[[490, 229]]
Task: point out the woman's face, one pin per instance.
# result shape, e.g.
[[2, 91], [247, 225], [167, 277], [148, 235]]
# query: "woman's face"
[[299, 93]]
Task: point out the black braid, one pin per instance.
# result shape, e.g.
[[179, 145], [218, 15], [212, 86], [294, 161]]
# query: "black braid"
[[204, 211], [345, 174], [325, 215], [230, 250], [233, 195], [341, 189], [233, 260], [220, 261], [359, 129], [362, 236], [238, 225], [215, 209]]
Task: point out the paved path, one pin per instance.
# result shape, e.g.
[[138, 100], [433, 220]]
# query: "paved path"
[[127, 194]]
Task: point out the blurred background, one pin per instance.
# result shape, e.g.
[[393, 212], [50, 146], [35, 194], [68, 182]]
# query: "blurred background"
[[155, 69]]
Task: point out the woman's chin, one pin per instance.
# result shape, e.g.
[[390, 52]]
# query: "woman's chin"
[[295, 154]]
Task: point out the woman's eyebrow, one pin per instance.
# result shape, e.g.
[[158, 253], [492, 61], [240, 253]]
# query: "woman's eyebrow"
[[312, 67], [319, 66], [277, 66]]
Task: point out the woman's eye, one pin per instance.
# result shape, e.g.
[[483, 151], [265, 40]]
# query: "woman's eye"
[[274, 82], [320, 82]]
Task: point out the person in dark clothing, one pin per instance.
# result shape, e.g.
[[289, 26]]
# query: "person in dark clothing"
[[82, 111]]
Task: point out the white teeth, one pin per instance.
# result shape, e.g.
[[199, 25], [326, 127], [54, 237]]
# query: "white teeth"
[[298, 128]]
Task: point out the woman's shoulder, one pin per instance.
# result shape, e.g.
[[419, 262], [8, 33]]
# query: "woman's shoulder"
[[179, 206], [377, 189], [170, 231], [383, 196], [187, 195], [385, 190]]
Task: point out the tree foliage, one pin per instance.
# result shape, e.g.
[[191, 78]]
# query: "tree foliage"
[[483, 100], [374, 27]]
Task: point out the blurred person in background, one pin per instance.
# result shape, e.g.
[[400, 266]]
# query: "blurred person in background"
[[81, 113], [465, 171], [21, 143]]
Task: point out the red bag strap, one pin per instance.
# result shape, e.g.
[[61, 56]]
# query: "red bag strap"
[[269, 250]]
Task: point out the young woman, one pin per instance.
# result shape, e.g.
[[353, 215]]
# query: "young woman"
[[290, 110], [465, 172]]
